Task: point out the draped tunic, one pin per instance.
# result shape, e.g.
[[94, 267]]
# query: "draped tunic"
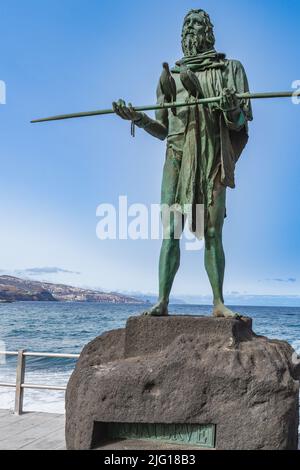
[[201, 140]]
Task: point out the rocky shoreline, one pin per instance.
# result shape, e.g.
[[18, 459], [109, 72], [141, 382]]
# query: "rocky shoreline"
[[13, 289]]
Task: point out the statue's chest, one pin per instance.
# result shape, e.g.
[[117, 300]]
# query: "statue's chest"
[[211, 82]]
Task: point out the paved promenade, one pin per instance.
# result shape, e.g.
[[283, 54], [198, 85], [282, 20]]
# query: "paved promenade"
[[32, 431]]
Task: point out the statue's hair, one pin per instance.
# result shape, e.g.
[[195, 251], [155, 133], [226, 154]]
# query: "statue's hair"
[[209, 27]]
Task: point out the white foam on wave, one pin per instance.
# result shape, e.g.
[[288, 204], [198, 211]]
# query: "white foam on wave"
[[48, 401], [296, 345], [35, 400]]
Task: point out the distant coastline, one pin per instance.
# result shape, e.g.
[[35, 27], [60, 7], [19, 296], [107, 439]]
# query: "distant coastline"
[[14, 289]]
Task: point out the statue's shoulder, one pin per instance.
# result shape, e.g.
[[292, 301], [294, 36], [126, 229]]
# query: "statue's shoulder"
[[234, 64]]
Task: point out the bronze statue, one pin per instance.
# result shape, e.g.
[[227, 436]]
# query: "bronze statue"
[[203, 108], [204, 143]]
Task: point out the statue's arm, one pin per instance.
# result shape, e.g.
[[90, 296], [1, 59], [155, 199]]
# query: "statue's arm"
[[157, 127], [235, 118], [237, 112]]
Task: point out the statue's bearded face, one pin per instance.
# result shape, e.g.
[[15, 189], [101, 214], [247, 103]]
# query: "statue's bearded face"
[[194, 35]]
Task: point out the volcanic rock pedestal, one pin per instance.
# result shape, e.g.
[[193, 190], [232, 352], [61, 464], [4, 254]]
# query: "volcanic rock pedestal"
[[198, 381]]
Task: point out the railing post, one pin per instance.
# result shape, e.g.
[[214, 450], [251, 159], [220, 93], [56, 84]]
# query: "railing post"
[[19, 381]]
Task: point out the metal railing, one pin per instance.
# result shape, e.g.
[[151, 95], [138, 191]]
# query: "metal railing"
[[20, 385]]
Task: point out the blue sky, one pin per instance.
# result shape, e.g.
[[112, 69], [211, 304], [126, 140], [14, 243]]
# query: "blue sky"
[[60, 56]]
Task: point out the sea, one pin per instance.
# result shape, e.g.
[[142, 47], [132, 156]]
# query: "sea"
[[64, 328]]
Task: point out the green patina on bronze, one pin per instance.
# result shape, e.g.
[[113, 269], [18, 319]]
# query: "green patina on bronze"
[[179, 434], [204, 142], [153, 107], [203, 109]]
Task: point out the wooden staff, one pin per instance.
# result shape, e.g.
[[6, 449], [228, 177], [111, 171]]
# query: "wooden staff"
[[245, 96]]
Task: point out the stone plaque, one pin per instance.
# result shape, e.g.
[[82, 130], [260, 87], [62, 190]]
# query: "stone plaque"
[[184, 434]]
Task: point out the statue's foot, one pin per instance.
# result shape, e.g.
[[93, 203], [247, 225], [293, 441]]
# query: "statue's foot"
[[221, 311], [159, 310]]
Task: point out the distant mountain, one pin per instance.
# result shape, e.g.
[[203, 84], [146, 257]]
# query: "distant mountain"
[[17, 289], [152, 298], [240, 300]]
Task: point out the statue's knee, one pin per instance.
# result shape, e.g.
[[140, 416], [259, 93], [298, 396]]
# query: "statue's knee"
[[167, 232], [171, 235], [213, 232], [172, 232]]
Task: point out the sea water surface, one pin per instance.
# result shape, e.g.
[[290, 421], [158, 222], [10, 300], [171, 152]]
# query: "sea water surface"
[[60, 327]]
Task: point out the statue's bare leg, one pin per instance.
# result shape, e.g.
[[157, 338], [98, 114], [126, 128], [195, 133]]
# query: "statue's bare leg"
[[214, 252], [169, 262]]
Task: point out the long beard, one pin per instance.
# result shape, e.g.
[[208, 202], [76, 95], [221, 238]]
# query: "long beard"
[[191, 44]]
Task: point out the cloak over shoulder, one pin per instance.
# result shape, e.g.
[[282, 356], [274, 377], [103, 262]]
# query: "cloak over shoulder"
[[208, 141]]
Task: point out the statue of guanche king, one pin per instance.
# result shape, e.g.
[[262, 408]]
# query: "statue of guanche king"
[[204, 143]]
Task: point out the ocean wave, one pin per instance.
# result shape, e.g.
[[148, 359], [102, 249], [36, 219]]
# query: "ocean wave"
[[49, 401], [67, 328]]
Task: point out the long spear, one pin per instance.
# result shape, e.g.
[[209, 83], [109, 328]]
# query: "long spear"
[[251, 96]]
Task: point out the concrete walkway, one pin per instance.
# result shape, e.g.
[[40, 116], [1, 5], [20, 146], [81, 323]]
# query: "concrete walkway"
[[32, 431], [46, 431]]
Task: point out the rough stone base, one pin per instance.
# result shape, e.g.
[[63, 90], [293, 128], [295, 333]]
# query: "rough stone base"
[[183, 369]]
